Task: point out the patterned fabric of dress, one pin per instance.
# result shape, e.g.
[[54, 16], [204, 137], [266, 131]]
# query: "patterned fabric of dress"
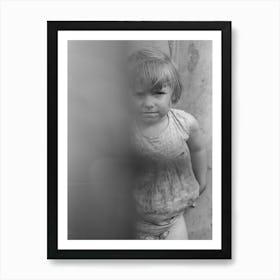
[[165, 183]]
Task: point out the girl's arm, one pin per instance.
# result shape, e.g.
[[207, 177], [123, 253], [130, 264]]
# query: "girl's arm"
[[197, 148]]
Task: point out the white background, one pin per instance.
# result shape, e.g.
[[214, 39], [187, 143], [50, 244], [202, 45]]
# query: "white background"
[[63, 39], [255, 140]]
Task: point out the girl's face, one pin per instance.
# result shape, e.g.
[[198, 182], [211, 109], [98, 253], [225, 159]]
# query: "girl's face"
[[151, 105]]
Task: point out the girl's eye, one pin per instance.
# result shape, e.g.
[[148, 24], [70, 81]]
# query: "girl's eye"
[[159, 93]]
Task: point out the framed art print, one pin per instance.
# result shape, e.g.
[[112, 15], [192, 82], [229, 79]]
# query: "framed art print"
[[139, 140]]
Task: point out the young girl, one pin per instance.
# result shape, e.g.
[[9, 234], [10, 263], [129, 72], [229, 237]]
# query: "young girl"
[[170, 151]]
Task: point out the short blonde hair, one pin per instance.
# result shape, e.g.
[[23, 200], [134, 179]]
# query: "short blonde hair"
[[155, 69]]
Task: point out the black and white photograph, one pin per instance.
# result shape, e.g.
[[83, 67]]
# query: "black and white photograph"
[[141, 158]]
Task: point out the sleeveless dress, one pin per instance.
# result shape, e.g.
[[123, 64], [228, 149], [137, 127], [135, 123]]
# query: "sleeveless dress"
[[165, 184]]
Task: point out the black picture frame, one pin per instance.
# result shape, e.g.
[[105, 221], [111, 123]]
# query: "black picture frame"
[[52, 140]]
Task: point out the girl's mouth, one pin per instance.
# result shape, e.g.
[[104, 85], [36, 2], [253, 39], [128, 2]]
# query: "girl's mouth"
[[149, 113]]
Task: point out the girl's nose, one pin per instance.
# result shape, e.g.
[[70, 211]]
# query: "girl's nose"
[[148, 103]]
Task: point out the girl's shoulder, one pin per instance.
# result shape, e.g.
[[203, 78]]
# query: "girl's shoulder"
[[185, 121]]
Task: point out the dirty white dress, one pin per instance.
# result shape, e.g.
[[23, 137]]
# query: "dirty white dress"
[[165, 184]]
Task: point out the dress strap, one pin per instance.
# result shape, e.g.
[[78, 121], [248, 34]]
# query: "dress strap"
[[179, 124]]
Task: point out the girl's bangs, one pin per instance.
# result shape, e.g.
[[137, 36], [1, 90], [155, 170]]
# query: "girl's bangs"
[[155, 75]]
